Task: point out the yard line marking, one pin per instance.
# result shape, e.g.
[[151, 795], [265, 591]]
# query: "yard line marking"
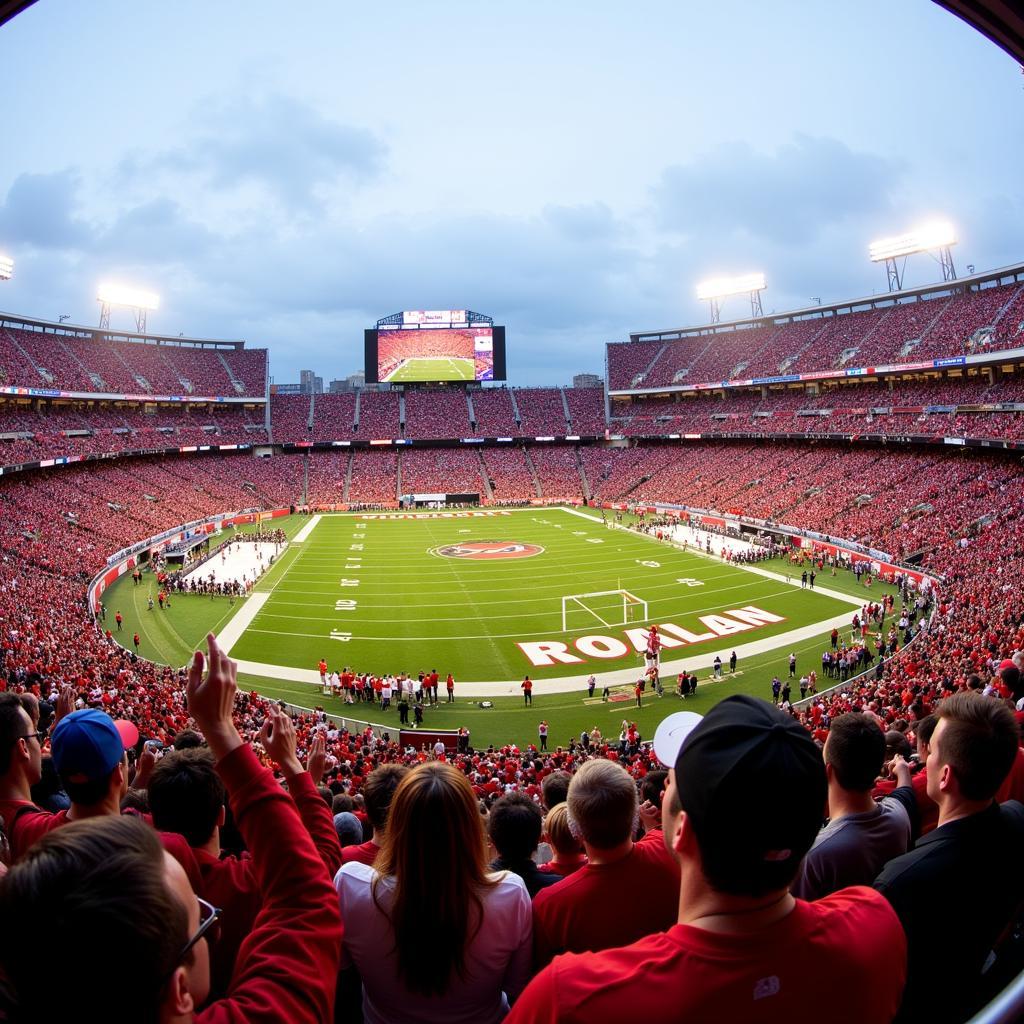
[[233, 631], [304, 533]]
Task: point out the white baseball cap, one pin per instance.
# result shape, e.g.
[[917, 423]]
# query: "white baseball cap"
[[671, 733]]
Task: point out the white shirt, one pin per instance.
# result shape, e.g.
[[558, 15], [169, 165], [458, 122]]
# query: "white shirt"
[[497, 959]]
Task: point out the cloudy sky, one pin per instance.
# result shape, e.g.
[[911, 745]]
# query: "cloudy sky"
[[289, 174]]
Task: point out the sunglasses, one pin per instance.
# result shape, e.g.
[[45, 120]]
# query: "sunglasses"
[[41, 735], [209, 915]]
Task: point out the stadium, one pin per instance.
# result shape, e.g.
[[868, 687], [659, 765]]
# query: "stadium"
[[815, 514]]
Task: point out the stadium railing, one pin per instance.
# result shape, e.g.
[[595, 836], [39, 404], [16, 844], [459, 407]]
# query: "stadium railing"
[[1007, 1006], [806, 702]]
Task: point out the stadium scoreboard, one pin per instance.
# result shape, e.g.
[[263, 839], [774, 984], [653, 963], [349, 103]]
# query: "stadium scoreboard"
[[434, 346]]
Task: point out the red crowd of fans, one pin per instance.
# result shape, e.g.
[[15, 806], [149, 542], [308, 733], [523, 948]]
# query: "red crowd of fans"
[[51, 649], [867, 408], [44, 360], [942, 326]]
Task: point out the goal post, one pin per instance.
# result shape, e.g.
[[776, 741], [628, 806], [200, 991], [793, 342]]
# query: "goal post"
[[609, 607]]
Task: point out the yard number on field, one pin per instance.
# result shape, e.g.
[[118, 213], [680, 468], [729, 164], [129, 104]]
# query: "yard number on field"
[[688, 582], [342, 605]]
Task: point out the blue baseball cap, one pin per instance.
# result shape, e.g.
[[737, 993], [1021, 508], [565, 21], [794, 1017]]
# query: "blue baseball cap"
[[87, 745]]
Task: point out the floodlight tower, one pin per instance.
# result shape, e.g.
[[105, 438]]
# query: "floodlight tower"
[[716, 289], [936, 238], [138, 301], [6, 268]]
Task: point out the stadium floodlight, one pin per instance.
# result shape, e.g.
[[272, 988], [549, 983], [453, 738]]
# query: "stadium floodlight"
[[136, 299], [6, 268], [717, 288], [121, 295], [935, 236], [720, 287]]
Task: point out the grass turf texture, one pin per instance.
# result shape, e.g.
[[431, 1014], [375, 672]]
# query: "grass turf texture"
[[434, 369], [406, 593]]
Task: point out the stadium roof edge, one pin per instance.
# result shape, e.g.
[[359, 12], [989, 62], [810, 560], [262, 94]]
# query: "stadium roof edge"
[[1014, 271], [1000, 22], [15, 320], [10, 8]]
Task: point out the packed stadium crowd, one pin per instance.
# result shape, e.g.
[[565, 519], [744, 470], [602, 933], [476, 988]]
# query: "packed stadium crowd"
[[71, 362], [41, 429], [252, 862], [959, 323], [54, 661], [945, 408]]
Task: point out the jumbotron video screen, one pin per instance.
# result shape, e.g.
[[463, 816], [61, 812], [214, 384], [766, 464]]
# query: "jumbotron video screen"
[[401, 355]]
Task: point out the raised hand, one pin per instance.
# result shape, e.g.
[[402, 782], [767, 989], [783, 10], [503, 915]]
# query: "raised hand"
[[650, 816], [278, 738], [316, 758], [65, 704], [211, 700], [147, 762]]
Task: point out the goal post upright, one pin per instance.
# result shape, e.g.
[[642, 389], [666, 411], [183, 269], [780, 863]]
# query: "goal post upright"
[[628, 600]]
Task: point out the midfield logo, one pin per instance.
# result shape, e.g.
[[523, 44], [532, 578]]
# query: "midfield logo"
[[488, 550]]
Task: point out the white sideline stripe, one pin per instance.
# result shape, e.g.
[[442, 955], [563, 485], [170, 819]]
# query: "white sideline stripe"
[[567, 684], [242, 619], [304, 533], [576, 512]]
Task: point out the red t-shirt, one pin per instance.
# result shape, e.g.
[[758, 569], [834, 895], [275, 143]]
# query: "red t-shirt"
[[561, 868], [365, 853], [1013, 785], [603, 905], [843, 957]]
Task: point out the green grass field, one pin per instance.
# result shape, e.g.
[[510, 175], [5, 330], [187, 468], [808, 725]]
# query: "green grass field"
[[415, 609], [434, 369]]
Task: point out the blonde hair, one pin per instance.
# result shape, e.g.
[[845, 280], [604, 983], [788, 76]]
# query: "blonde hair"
[[559, 835]]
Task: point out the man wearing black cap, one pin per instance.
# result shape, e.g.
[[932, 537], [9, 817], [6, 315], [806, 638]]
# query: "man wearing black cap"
[[743, 805]]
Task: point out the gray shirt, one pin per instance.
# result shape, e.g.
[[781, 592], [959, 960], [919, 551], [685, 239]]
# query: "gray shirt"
[[854, 849]]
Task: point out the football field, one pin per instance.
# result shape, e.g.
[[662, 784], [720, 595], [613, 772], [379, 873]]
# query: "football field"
[[482, 594], [446, 368]]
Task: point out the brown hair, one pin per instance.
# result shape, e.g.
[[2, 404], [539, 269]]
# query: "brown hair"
[[434, 855], [379, 790], [855, 749], [81, 892], [602, 804], [979, 742], [186, 794]]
